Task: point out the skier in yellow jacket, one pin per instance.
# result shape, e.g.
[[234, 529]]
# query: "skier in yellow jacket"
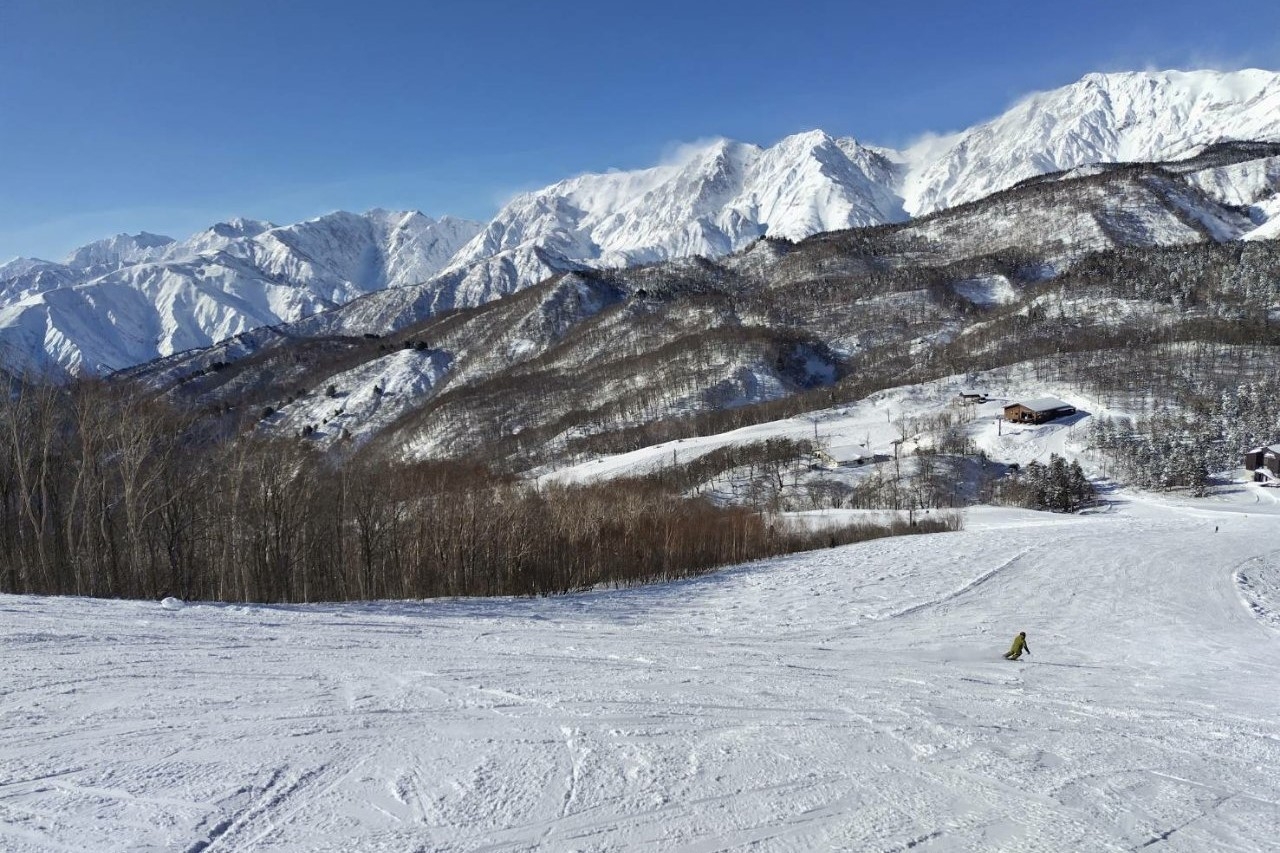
[[1019, 646]]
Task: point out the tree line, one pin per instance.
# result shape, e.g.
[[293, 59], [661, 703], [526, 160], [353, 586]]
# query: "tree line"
[[106, 492], [1058, 486], [1182, 446]]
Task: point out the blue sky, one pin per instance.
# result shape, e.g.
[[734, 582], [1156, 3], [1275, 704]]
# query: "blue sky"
[[168, 116]]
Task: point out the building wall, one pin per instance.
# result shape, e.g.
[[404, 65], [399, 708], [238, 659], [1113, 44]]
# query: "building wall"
[[1263, 459]]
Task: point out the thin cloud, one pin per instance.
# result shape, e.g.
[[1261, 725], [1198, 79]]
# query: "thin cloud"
[[673, 155], [1197, 60], [929, 146], [503, 196], [677, 154]]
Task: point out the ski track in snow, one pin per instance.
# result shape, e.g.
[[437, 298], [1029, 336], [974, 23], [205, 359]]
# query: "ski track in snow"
[[850, 699]]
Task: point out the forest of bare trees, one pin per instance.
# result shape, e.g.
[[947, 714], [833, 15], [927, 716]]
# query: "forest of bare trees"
[[106, 493]]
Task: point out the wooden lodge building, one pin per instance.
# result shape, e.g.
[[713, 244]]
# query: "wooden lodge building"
[[1038, 411], [1264, 462]]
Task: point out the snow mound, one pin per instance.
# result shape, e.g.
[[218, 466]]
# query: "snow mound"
[[1269, 230], [1259, 586], [987, 291]]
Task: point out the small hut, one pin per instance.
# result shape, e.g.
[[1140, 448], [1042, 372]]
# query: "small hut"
[[1264, 462]]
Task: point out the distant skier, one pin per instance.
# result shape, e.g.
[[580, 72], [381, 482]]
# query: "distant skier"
[[1019, 646]]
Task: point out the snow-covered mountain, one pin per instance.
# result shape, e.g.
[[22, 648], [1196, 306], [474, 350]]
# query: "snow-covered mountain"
[[118, 251], [23, 277], [100, 312], [137, 297], [560, 368], [1125, 117], [720, 196], [713, 200], [218, 237]]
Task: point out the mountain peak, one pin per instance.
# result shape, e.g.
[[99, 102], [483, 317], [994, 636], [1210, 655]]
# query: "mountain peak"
[[240, 227], [119, 249], [1103, 117], [397, 217], [807, 139], [20, 266]]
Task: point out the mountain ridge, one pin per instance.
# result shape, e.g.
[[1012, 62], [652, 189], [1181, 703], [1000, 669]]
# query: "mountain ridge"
[[578, 361], [716, 199]]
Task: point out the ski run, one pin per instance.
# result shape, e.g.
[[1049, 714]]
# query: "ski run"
[[847, 699]]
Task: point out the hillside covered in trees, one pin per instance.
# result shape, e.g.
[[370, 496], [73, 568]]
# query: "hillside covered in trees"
[[386, 449]]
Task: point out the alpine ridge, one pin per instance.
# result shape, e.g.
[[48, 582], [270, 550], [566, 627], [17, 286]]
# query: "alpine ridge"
[[1104, 118], [129, 299]]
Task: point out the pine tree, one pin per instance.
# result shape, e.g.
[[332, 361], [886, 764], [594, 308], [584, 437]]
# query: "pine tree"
[[1077, 486], [1058, 487]]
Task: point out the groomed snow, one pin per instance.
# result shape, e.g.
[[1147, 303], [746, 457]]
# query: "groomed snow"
[[852, 698]]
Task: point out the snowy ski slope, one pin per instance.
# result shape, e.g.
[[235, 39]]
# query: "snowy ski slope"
[[849, 699], [869, 427]]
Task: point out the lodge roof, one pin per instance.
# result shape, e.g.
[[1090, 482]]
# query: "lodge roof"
[[1042, 404]]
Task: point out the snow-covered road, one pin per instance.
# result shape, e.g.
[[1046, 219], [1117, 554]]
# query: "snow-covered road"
[[847, 699]]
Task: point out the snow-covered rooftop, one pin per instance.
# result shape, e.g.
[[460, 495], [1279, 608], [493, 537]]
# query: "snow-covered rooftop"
[[1043, 404]]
